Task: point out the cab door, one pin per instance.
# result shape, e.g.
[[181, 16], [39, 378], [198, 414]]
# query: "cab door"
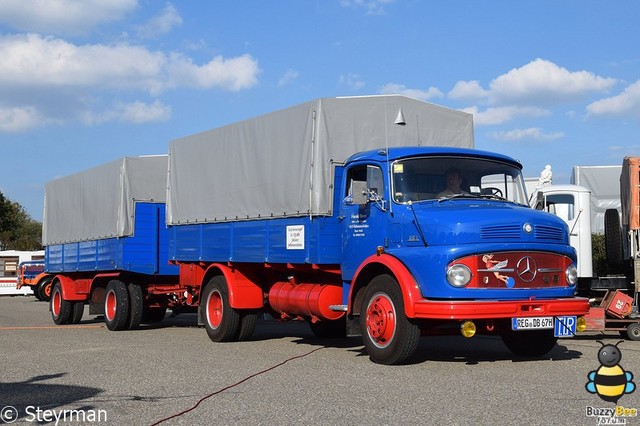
[[364, 215]]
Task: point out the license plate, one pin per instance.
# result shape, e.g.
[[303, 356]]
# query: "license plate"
[[562, 326], [531, 323]]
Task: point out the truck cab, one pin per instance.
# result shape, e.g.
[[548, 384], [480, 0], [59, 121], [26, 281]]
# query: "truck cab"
[[477, 258]]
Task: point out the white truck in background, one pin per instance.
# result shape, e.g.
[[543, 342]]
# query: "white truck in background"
[[593, 209]]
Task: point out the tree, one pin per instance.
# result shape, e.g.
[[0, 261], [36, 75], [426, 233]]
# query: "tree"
[[17, 230]]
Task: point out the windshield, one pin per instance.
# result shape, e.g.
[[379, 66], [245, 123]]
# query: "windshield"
[[442, 178]]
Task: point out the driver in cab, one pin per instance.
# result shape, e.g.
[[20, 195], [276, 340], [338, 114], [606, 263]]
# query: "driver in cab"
[[453, 180]]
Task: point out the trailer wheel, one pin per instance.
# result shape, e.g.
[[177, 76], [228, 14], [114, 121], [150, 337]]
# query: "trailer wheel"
[[44, 289], [613, 238], [77, 310], [247, 325], [633, 331], [116, 306], [136, 305], [534, 343], [60, 308], [388, 335], [221, 320]]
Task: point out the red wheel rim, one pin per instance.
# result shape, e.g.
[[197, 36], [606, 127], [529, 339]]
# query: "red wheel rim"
[[56, 301], [381, 320], [110, 305], [214, 309], [47, 290]]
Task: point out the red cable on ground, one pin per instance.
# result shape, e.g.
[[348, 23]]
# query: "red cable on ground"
[[234, 385]]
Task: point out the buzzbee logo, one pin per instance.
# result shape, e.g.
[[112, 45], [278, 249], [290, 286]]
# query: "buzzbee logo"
[[610, 381]]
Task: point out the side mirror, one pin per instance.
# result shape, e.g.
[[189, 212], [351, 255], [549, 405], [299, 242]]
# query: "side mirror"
[[359, 192]]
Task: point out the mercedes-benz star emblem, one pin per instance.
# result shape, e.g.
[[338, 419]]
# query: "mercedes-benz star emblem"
[[527, 269]]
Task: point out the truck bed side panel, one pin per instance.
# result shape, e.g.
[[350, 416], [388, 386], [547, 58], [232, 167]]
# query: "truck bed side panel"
[[144, 252]]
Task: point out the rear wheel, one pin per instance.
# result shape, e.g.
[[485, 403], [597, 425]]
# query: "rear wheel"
[[534, 343], [388, 335], [136, 305], [221, 320], [116, 306], [60, 308], [77, 310], [247, 325]]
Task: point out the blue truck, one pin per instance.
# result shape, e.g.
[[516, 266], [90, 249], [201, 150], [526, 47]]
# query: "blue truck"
[[370, 216]]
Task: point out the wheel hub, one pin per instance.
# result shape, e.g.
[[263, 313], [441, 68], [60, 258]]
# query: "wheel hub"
[[381, 320]]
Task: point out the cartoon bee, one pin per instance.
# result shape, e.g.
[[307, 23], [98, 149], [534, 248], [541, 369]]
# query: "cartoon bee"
[[610, 381]]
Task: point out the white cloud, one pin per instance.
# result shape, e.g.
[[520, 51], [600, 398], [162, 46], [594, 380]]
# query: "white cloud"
[[47, 79], [19, 119], [354, 81], [35, 61], [401, 89], [626, 103], [160, 24], [373, 7], [288, 77], [533, 133], [62, 16], [467, 90], [500, 115], [543, 82]]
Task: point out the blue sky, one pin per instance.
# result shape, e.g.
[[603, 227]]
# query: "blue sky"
[[84, 82]]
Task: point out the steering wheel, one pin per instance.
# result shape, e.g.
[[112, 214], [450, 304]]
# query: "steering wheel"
[[490, 190]]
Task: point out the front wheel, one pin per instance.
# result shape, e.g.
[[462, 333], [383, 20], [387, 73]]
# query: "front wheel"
[[221, 320], [388, 335], [535, 343], [44, 289]]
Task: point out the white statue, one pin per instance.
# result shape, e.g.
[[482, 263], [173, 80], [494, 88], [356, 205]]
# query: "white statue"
[[546, 177]]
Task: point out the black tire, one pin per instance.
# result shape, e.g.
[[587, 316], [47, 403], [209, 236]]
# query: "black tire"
[[44, 289], [60, 308], [36, 293], [388, 335], [77, 310], [116, 306], [222, 322], [136, 305], [613, 238], [633, 331], [248, 323], [533, 343], [335, 329]]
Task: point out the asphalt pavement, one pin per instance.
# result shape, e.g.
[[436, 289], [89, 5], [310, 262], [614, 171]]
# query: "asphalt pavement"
[[171, 374]]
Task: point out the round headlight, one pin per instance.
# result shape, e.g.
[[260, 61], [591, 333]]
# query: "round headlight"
[[572, 274], [458, 275]]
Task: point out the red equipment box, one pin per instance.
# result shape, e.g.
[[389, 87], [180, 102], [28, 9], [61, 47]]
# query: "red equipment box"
[[617, 304]]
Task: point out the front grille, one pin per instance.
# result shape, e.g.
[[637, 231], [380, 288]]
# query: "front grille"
[[548, 233], [500, 231]]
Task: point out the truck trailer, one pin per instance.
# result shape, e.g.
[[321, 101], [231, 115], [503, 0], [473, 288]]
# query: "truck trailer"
[[106, 243], [337, 212]]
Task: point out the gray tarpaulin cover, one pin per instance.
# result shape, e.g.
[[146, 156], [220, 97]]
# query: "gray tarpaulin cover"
[[99, 202], [280, 164]]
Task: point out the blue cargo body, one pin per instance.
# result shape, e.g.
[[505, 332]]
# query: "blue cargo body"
[[144, 252]]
